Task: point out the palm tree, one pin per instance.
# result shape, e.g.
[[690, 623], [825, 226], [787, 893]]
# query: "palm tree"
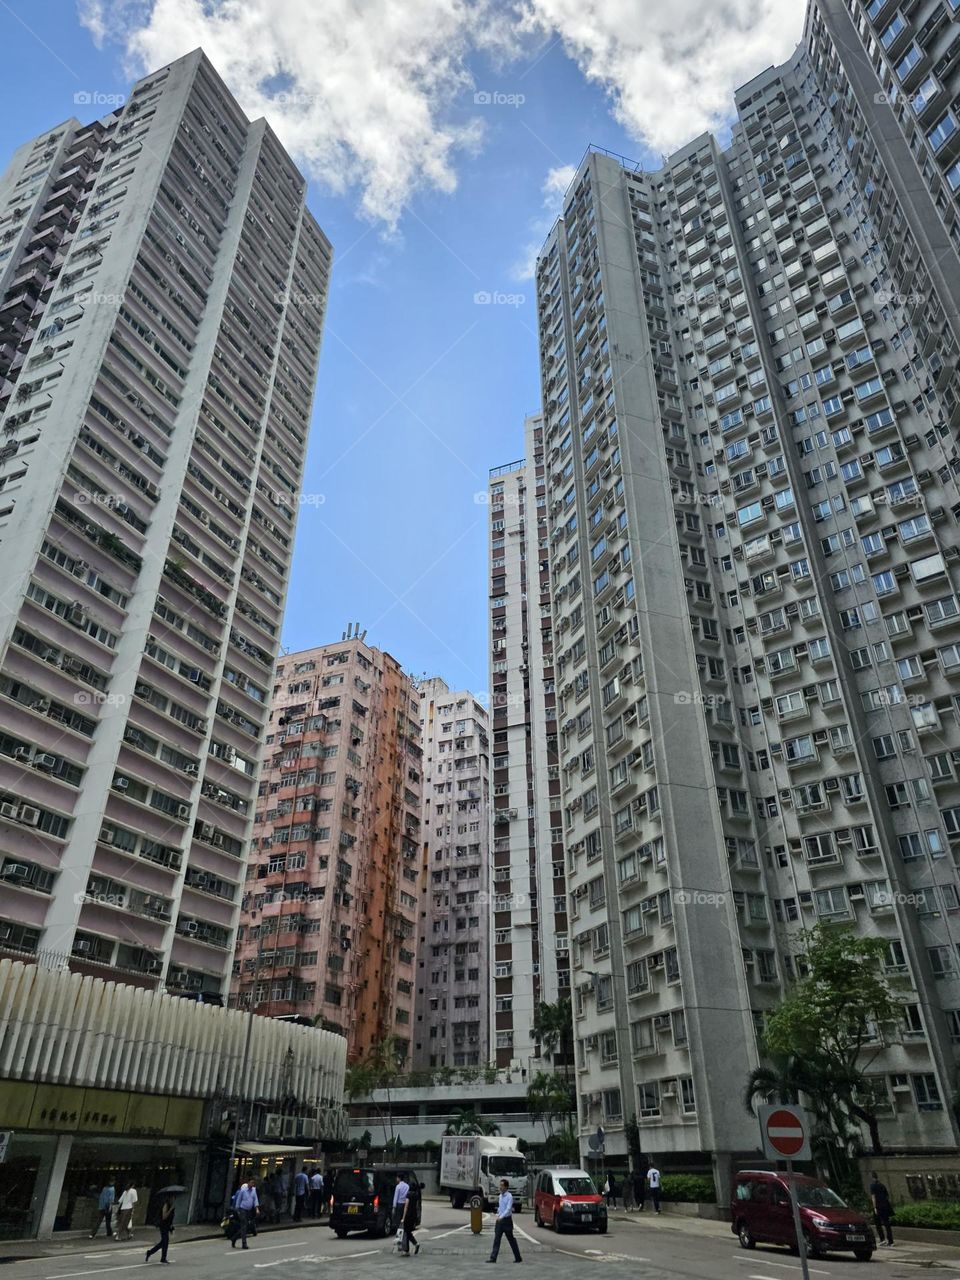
[[466, 1123]]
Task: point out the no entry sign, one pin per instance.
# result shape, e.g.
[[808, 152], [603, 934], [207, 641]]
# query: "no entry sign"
[[785, 1132]]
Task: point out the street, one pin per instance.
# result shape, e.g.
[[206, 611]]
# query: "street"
[[641, 1248]]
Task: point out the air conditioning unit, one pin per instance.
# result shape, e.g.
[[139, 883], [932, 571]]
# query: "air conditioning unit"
[[23, 753], [121, 784], [83, 946], [29, 816], [16, 871], [191, 926], [192, 770], [590, 1043], [45, 761], [183, 811]]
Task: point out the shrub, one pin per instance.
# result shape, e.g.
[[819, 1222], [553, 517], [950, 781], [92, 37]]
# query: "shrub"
[[688, 1186], [942, 1214]]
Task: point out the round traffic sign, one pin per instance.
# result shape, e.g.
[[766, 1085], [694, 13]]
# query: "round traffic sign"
[[785, 1133]]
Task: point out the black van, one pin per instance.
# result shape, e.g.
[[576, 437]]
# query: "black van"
[[361, 1198]]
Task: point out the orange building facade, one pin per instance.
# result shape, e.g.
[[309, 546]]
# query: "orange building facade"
[[331, 898]]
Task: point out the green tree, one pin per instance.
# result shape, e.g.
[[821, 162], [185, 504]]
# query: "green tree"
[[833, 1025], [550, 1098], [466, 1121], [378, 1071], [553, 1027]]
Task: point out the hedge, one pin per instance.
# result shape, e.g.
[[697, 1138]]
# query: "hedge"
[[688, 1186], [943, 1214]]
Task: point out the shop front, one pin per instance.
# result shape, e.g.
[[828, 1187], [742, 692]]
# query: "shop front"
[[69, 1142]]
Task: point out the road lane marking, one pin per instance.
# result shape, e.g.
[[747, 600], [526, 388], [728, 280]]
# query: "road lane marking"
[[787, 1266], [98, 1271]]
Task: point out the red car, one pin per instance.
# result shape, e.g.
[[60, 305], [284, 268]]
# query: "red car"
[[760, 1213], [568, 1198]]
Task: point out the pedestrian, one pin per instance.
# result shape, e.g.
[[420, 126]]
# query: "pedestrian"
[[614, 1191], [301, 1185], [653, 1182], [882, 1209], [316, 1193], [247, 1205], [627, 1192], [165, 1227], [639, 1189], [105, 1209], [401, 1191], [504, 1224], [125, 1206], [411, 1218], [606, 1190]]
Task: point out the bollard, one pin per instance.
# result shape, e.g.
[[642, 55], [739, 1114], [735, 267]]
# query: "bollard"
[[476, 1215]]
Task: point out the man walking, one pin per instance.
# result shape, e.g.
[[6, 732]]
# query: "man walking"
[[105, 1209], [504, 1225], [401, 1191], [125, 1207], [882, 1209], [301, 1184], [653, 1182], [411, 1219], [316, 1193], [246, 1203], [639, 1189]]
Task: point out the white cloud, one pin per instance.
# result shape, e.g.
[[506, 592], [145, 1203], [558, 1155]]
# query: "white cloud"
[[553, 190], [361, 92], [377, 95], [670, 66]]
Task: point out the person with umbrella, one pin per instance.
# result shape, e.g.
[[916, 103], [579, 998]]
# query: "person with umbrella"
[[164, 1224]]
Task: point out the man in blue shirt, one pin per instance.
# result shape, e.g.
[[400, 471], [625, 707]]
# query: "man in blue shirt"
[[301, 1184], [246, 1203], [504, 1226], [400, 1194], [105, 1209]]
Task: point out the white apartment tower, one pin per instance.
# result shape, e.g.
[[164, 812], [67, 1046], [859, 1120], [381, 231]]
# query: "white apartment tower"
[[453, 965], [163, 290], [530, 946], [751, 405]]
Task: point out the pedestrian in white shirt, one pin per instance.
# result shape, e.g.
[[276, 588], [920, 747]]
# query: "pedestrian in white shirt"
[[504, 1224], [653, 1182], [125, 1207]]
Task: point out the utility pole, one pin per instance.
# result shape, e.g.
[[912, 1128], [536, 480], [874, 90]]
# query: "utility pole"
[[244, 1067]]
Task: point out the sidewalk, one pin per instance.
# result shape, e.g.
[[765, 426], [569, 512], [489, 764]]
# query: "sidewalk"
[[910, 1254], [66, 1243]]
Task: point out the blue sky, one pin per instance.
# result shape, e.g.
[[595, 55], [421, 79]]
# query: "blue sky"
[[429, 197]]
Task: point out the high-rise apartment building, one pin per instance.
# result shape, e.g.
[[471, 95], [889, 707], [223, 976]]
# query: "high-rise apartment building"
[[163, 291], [332, 894], [453, 973], [749, 369], [531, 962]]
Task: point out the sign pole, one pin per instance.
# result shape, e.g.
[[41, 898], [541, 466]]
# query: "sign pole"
[[795, 1208]]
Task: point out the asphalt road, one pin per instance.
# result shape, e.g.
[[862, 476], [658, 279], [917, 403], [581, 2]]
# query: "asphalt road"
[[448, 1247]]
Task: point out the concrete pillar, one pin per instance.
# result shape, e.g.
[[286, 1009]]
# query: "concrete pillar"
[[723, 1171], [50, 1177]]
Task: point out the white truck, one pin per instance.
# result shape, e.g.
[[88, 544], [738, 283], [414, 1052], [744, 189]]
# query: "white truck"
[[473, 1166]]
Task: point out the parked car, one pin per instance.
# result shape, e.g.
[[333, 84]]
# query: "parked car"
[[568, 1198], [760, 1212], [361, 1198]]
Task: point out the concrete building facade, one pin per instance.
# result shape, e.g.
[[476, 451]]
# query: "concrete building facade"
[[749, 372], [530, 941], [332, 895], [453, 983], [163, 289]]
